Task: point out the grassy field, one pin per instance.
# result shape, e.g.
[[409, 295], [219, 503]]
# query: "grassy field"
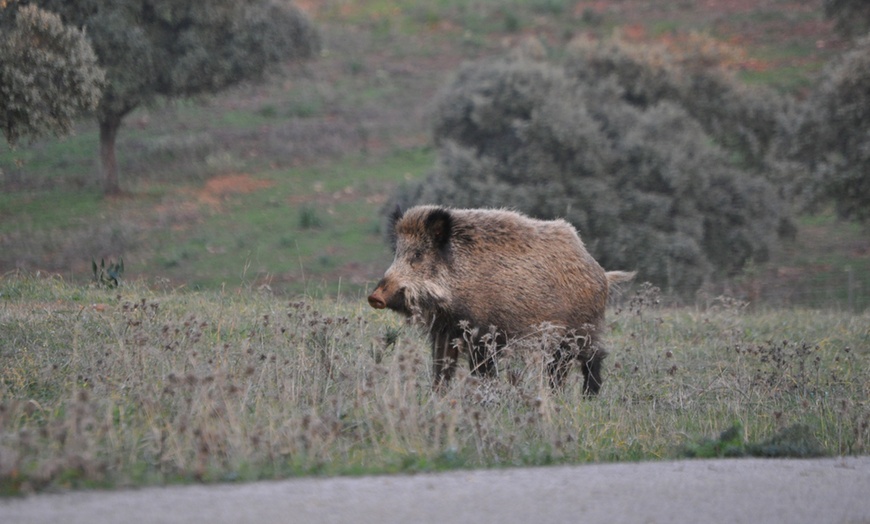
[[131, 386], [206, 365]]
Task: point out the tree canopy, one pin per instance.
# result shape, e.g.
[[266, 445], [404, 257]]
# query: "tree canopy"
[[48, 73], [154, 49]]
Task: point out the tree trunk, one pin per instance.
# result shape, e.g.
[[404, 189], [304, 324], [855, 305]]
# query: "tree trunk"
[[108, 132]]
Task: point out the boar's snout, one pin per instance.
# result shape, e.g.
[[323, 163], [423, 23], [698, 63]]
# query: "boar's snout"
[[376, 299], [389, 295]]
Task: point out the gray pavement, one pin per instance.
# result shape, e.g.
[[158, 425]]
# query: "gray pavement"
[[698, 491]]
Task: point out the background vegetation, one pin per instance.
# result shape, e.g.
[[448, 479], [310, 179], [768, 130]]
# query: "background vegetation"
[[328, 143], [661, 166]]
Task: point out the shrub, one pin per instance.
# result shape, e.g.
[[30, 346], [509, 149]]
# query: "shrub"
[[697, 76], [832, 137], [651, 160], [309, 219], [851, 17]]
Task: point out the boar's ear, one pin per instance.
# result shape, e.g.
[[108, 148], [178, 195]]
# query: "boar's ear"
[[394, 217], [439, 224]]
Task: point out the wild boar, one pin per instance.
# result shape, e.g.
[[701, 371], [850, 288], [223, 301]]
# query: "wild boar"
[[461, 271]]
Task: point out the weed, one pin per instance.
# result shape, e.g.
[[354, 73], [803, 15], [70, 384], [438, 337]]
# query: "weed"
[[110, 276], [309, 218], [798, 441], [591, 17], [729, 444], [512, 22], [268, 111]]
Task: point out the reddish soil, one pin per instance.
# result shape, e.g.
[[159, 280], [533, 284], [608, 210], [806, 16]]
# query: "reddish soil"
[[219, 188]]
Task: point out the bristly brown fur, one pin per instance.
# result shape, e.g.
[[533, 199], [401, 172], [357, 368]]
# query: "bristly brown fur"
[[497, 268]]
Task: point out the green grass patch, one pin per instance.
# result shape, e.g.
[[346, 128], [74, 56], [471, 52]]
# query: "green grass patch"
[[70, 160], [823, 267], [310, 229], [786, 79], [49, 210]]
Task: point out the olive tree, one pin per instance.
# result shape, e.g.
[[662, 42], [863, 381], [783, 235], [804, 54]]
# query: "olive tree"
[[832, 137], [48, 73], [153, 49]]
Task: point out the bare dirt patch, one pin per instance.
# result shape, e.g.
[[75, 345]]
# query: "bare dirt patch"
[[220, 187]]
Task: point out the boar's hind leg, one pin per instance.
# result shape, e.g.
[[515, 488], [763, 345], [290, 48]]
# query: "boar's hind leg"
[[444, 356], [590, 365], [591, 368]]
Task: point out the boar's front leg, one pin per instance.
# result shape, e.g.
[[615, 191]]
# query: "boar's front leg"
[[444, 356]]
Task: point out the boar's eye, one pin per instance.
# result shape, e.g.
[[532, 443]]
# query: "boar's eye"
[[416, 256]]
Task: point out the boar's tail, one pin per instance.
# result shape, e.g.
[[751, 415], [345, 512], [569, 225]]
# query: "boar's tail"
[[614, 278]]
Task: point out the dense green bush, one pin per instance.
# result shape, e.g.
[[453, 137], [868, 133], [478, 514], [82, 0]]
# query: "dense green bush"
[[851, 17], [832, 137], [657, 164], [743, 120]]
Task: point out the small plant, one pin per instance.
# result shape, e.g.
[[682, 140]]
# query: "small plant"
[[268, 111], [549, 7], [108, 276], [512, 22], [309, 219], [797, 441], [390, 338], [729, 444]]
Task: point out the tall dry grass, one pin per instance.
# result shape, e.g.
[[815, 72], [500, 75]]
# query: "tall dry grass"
[[140, 385]]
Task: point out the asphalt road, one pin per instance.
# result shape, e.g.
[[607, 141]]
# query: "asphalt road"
[[708, 491]]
